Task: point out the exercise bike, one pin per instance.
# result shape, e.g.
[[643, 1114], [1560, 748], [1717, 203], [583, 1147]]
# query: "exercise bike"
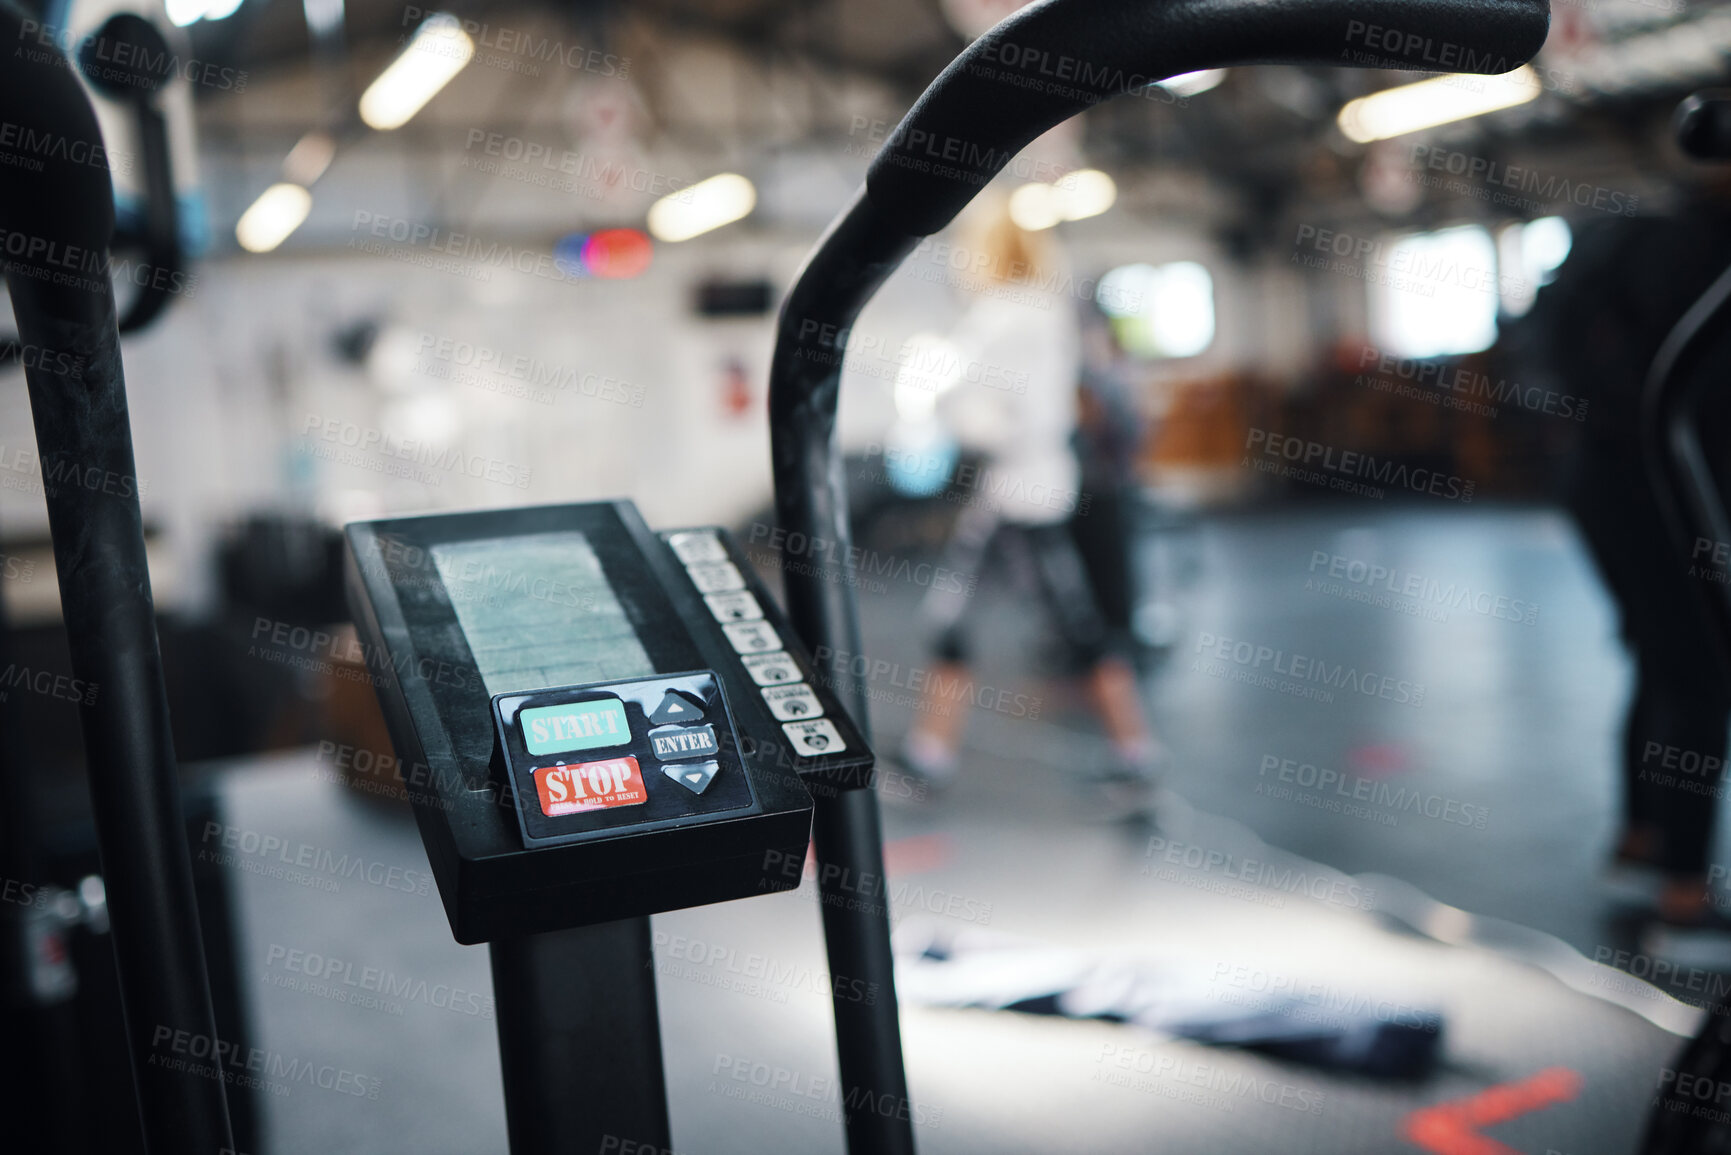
[[996, 97]]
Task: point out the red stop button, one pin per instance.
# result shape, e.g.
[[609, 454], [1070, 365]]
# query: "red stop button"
[[590, 786]]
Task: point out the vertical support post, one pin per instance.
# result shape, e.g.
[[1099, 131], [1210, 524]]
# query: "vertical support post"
[[84, 440], [855, 257], [580, 1040]]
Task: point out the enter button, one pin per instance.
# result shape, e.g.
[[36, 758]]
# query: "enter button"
[[683, 742]]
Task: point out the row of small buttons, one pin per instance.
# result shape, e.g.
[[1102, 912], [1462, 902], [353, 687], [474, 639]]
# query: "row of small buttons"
[[788, 697]]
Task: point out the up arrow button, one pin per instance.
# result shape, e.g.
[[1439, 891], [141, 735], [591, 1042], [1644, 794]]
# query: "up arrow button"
[[675, 707]]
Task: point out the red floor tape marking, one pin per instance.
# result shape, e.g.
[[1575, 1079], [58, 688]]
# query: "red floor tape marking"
[[1453, 1128]]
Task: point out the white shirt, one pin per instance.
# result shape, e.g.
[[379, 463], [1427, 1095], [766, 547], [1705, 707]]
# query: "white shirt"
[[1016, 402]]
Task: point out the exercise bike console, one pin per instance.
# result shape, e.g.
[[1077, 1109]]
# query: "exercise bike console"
[[597, 722]]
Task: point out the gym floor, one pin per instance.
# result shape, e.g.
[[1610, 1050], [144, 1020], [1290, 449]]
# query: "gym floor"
[[1488, 909]]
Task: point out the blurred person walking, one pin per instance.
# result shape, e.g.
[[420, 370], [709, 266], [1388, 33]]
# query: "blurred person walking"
[[1018, 517], [1110, 433], [1594, 333]]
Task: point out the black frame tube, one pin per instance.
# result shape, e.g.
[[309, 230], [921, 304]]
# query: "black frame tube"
[[857, 255], [57, 221], [1677, 462], [576, 1012], [162, 247], [1675, 459], [84, 441]]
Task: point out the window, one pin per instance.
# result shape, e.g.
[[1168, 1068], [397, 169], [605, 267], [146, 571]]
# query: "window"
[[1160, 311], [1531, 254], [1434, 294]]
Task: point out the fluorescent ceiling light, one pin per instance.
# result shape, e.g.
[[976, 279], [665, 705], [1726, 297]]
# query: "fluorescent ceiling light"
[[1192, 83], [437, 52], [278, 212], [1085, 193], [1443, 100], [707, 205], [184, 12], [1035, 207]]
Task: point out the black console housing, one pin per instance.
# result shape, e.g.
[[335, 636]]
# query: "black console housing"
[[597, 722]]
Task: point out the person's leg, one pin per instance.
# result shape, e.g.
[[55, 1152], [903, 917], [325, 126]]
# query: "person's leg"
[[930, 749], [1638, 844], [1109, 678], [1674, 743], [936, 734], [1117, 697], [1619, 525], [1681, 774], [1103, 538]]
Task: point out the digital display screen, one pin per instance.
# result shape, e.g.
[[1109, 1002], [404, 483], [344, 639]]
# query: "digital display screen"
[[538, 611]]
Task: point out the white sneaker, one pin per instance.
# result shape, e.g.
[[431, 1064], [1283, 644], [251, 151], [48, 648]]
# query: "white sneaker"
[[1132, 779], [928, 759]]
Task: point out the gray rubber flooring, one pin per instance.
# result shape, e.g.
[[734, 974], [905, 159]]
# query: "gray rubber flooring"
[[1516, 727]]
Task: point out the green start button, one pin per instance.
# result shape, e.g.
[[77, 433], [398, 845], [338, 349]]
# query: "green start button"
[[575, 726]]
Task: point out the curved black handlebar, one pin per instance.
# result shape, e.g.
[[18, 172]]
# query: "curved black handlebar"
[[64, 202], [1039, 67], [123, 59], [1703, 125], [1042, 65], [1056, 58], [56, 222], [1677, 461]]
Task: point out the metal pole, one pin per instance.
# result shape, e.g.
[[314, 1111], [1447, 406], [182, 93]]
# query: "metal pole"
[[83, 438], [811, 500], [57, 221], [580, 1041]]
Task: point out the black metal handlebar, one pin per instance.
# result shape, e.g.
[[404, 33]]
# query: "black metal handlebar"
[[55, 227], [1039, 67], [1677, 462]]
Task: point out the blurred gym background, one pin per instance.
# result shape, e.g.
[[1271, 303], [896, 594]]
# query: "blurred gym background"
[[504, 253]]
